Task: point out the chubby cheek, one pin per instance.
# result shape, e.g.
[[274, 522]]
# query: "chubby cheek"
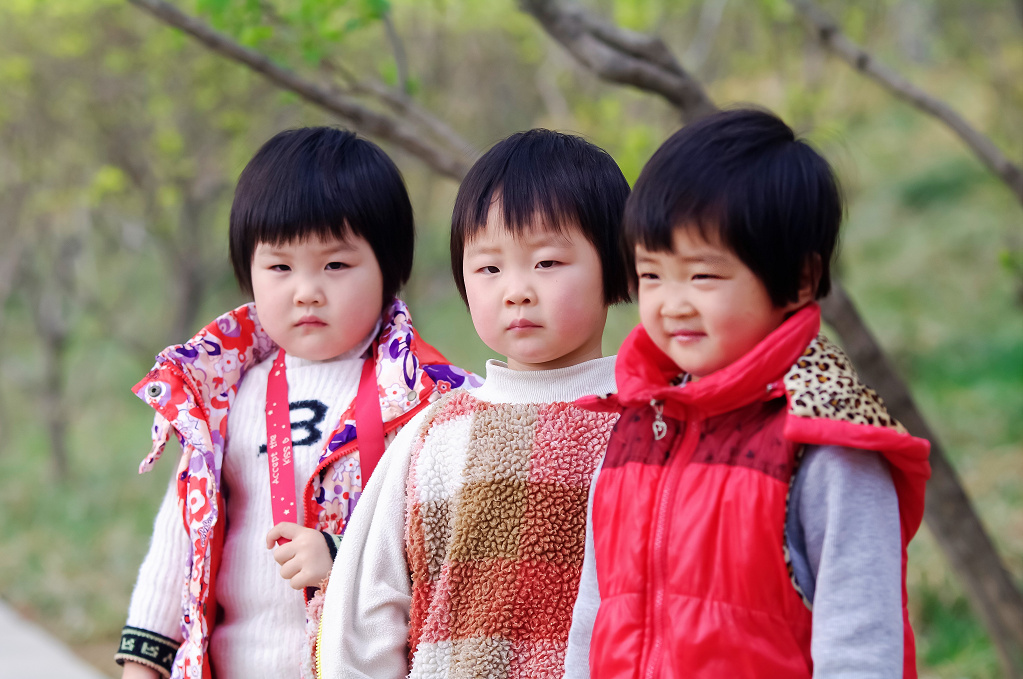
[[355, 322], [578, 317], [649, 317], [270, 311], [484, 316]]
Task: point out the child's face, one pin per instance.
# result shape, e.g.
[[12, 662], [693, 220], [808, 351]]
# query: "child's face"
[[536, 298], [701, 305], [317, 298]]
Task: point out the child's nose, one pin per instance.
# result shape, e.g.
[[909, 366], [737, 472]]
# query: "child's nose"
[[518, 291], [309, 292], [517, 297], [677, 304]]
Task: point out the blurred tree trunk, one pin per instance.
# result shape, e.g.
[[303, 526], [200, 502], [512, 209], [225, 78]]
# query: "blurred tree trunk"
[[948, 513], [189, 254], [914, 25], [54, 341], [50, 289]]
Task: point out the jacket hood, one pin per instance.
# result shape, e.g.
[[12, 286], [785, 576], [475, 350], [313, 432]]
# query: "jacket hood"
[[644, 372]]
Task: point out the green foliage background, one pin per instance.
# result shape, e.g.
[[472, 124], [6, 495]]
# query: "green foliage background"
[[120, 142]]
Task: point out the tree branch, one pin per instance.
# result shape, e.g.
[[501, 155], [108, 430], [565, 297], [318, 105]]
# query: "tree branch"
[[824, 29], [404, 106], [450, 164], [398, 47], [622, 56]]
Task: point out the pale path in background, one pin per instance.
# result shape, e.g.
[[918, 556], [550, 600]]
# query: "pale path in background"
[[29, 652]]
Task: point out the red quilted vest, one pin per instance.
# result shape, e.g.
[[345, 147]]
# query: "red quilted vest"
[[689, 526]]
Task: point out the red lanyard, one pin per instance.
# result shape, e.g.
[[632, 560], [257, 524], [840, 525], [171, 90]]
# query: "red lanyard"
[[369, 421], [369, 429], [278, 445]]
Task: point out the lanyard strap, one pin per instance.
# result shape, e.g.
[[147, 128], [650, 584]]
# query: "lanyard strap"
[[369, 423], [278, 445]]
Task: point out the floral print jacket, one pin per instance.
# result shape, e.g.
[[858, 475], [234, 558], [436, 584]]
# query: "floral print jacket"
[[192, 387]]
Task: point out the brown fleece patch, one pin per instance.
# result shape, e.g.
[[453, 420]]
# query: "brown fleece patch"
[[488, 519], [553, 525]]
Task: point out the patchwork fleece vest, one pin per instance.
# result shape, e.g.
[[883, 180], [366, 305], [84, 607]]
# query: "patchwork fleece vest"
[[496, 532], [689, 509]]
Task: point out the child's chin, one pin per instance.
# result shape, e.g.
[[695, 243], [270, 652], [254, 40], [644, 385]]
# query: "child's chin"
[[315, 353]]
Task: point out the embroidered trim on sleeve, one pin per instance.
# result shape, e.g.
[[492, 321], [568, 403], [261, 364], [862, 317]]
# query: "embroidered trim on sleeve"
[[147, 648], [333, 542]]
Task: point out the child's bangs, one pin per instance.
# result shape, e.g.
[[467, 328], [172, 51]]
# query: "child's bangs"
[[298, 208], [525, 210], [652, 224]]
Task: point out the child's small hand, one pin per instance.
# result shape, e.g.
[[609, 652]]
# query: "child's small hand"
[[305, 560]]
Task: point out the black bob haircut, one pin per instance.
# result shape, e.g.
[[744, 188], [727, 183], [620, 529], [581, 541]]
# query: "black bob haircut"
[[553, 179], [323, 182], [742, 176]]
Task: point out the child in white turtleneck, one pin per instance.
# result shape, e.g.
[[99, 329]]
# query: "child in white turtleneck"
[[326, 361], [468, 552]]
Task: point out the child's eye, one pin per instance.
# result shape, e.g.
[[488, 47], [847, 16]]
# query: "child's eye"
[[704, 277], [649, 276], [545, 264], [280, 267], [489, 269], [336, 266]]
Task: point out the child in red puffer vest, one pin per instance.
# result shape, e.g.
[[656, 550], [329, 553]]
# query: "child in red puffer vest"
[[752, 512]]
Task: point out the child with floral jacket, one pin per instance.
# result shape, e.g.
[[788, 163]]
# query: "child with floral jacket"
[[322, 236]]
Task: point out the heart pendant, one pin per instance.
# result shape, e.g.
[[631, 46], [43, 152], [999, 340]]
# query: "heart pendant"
[[660, 429]]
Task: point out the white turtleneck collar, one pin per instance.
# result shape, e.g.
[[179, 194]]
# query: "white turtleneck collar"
[[504, 385]]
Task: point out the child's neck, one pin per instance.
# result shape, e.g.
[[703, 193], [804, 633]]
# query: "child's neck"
[[506, 385], [576, 357]]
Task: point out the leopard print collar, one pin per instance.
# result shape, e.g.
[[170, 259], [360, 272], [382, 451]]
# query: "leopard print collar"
[[823, 384]]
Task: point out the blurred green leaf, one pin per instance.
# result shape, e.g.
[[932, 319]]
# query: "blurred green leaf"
[[947, 183]]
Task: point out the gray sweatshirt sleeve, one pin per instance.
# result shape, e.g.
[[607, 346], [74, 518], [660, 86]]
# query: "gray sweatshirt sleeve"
[[577, 657], [845, 541]]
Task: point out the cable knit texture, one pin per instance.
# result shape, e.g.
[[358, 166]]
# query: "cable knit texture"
[[497, 500]]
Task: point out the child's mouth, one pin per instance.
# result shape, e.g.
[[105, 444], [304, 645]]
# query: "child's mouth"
[[687, 335], [522, 324]]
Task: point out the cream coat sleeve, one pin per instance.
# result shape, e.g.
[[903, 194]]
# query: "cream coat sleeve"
[[365, 622], [156, 599], [584, 614]]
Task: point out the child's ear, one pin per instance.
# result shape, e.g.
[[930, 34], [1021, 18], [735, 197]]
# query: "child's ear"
[[809, 280]]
